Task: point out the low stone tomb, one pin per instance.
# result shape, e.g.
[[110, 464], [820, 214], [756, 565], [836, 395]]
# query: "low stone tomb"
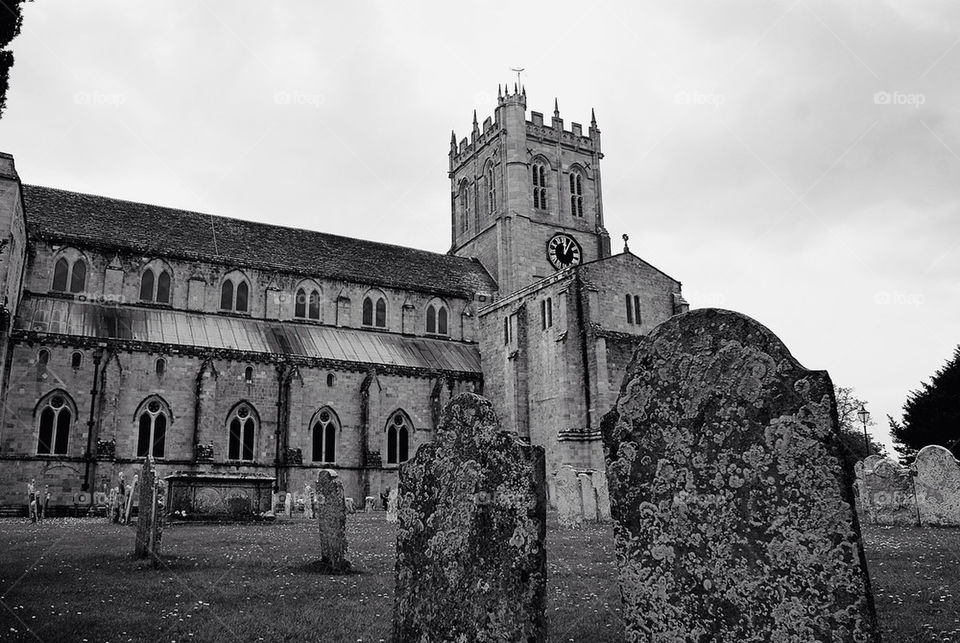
[[733, 509], [471, 562]]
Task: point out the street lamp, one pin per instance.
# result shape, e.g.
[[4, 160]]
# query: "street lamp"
[[864, 416]]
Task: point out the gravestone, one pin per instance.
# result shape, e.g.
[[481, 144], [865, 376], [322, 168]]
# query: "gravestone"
[[351, 507], [568, 500], [114, 515], [938, 486], [732, 500], [368, 504], [332, 522], [308, 502], [288, 504], [603, 496], [392, 505], [588, 497], [129, 500], [149, 514], [891, 494], [471, 562]]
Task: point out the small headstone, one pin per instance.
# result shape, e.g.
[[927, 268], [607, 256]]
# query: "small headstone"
[[471, 562], [733, 510], [114, 505], [392, 505], [588, 498], [308, 502], [369, 503], [129, 500], [332, 522], [603, 495], [938, 486], [890, 494], [288, 505], [568, 500], [149, 514], [351, 506], [274, 502]]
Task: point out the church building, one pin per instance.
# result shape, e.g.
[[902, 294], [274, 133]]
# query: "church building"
[[223, 346]]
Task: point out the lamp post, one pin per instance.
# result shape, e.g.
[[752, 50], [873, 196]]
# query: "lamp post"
[[864, 416]]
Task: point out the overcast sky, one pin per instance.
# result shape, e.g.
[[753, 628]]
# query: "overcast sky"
[[795, 161]]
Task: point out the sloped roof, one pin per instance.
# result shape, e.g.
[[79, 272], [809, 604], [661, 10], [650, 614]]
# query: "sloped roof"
[[58, 316], [85, 219]]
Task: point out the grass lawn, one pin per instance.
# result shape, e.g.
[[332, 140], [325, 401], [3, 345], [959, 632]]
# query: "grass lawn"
[[74, 580]]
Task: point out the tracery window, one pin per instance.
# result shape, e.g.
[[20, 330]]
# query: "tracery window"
[[242, 427], [539, 181], [398, 436], [325, 426], [576, 194], [152, 424], [54, 418]]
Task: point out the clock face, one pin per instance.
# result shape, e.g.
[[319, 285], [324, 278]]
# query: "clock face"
[[563, 251]]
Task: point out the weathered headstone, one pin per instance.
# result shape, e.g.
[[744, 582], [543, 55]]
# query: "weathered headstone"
[[732, 501], [603, 495], [938, 486], [288, 504], [332, 522], [392, 505], [588, 497], [114, 515], [351, 506], [471, 562], [568, 500], [891, 496], [149, 514], [369, 504], [129, 500], [308, 501]]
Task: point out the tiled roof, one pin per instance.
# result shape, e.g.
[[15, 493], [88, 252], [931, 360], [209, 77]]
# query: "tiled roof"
[[57, 316], [152, 230]]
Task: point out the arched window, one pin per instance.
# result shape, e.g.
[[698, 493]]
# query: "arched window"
[[307, 305], [146, 285], [161, 366], [242, 426], [153, 417], [464, 201], [76, 360], [436, 318], [491, 191], [375, 311], [539, 181], [43, 358], [331, 379], [163, 287], [576, 194], [398, 437], [54, 416], [69, 275], [153, 287], [248, 375], [235, 294], [325, 426]]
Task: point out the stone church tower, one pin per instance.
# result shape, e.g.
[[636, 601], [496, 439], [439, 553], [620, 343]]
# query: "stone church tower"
[[517, 184]]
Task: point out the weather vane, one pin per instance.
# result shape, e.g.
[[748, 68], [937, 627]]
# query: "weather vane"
[[518, 70]]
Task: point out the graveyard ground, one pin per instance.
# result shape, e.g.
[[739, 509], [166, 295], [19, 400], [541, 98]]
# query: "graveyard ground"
[[75, 580]]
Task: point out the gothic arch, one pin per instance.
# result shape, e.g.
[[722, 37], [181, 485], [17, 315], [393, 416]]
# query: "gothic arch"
[[151, 283], [308, 300], [437, 317], [236, 291], [324, 429], [55, 416], [375, 311], [71, 271], [152, 420], [398, 431], [242, 428]]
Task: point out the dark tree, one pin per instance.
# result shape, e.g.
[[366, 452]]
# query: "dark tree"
[[851, 428], [932, 414], [11, 19]]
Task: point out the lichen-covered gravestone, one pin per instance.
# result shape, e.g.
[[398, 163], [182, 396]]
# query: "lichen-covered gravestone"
[[149, 514], [471, 562], [938, 486], [588, 498], [891, 496], [392, 505], [568, 500], [332, 522], [731, 498], [603, 495]]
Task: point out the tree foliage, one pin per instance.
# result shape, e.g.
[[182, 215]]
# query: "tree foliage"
[[851, 428], [11, 19], [932, 414]]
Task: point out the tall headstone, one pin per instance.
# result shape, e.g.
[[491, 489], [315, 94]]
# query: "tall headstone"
[[588, 498], [392, 505], [603, 495], [938, 487], [332, 522], [568, 501], [288, 504], [308, 501], [892, 498], [471, 562], [129, 500], [732, 500], [149, 513]]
